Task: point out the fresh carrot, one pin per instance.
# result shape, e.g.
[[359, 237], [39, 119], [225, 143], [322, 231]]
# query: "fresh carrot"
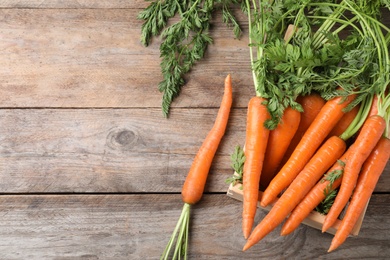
[[321, 161], [255, 146], [314, 197], [365, 142], [344, 122], [278, 142], [368, 178], [311, 105], [324, 122], [194, 184], [196, 178]]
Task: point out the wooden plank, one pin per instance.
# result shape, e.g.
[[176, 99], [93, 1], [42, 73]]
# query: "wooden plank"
[[139, 226], [104, 150], [94, 58], [112, 150], [107, 150]]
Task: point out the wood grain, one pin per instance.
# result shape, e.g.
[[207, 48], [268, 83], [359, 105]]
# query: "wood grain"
[[107, 150], [90, 169], [112, 150], [94, 58], [138, 227]]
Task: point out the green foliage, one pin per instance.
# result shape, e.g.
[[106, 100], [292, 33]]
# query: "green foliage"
[[237, 163], [329, 192], [185, 41], [347, 49]]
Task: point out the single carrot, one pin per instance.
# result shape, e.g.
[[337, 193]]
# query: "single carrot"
[[194, 184], [278, 142], [365, 142], [324, 122], [368, 178], [311, 105], [321, 161], [344, 122], [314, 197], [193, 187], [255, 145]]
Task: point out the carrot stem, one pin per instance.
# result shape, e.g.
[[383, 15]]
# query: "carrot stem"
[[358, 121], [180, 234]]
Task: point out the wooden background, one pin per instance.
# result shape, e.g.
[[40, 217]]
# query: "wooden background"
[[89, 167]]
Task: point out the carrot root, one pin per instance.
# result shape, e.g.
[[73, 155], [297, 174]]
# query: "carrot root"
[[194, 184], [255, 146]]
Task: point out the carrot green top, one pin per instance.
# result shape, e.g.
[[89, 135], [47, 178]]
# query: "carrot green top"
[[345, 55]]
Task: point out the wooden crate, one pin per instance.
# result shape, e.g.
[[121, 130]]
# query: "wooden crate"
[[314, 220]]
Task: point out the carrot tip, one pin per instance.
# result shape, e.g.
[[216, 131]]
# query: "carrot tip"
[[284, 233], [331, 248], [246, 247]]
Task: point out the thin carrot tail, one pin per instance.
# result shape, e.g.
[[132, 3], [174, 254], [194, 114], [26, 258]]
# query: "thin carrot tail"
[[263, 228]]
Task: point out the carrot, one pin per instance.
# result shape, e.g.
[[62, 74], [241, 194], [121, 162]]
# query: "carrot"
[[193, 187], [327, 118], [314, 197], [322, 160], [365, 142], [278, 142], [255, 145], [371, 171], [194, 184], [344, 122], [311, 105]]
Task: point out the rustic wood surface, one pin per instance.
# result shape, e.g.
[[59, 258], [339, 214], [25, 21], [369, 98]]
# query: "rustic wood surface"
[[89, 167]]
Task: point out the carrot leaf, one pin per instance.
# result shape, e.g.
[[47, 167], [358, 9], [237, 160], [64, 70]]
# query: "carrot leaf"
[[237, 163], [327, 203], [185, 41]]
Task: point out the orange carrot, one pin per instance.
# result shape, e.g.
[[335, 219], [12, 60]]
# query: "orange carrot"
[[365, 142], [313, 198], [371, 171], [196, 179], [322, 160], [311, 105], [278, 141], [193, 187], [329, 115], [255, 145], [344, 122]]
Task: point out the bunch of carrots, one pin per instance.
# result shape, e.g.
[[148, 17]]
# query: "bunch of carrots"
[[303, 180], [322, 145]]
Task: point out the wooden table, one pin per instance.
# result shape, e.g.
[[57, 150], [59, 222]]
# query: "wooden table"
[[90, 169]]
